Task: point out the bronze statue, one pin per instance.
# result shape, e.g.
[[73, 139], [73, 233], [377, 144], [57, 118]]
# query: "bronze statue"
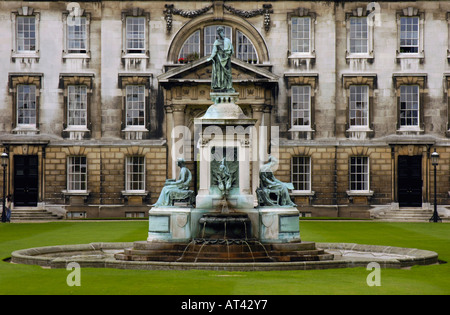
[[221, 79]]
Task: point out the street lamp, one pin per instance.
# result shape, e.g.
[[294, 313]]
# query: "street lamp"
[[435, 162], [4, 158]]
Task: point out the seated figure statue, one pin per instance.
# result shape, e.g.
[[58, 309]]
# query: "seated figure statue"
[[177, 189], [269, 185]]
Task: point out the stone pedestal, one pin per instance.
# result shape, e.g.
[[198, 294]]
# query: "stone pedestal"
[[169, 224], [279, 224]]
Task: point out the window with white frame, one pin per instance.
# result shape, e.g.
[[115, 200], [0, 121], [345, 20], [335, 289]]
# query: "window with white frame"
[[77, 36], [359, 106], [301, 173], [300, 106], [26, 105], [409, 34], [135, 105], [77, 173], [201, 42], [245, 49], [409, 105], [77, 106], [135, 173], [135, 35], [25, 34], [359, 35], [359, 173], [301, 34]]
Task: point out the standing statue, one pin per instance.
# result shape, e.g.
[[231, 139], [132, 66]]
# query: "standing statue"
[[221, 79], [177, 189], [269, 185]]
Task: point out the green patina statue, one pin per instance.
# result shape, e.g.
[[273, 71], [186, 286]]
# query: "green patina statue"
[[221, 79], [273, 192], [177, 189]]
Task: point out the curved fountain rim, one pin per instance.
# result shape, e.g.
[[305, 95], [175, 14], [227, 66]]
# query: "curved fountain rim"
[[407, 257]]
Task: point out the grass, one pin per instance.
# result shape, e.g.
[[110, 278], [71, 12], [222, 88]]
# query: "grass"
[[32, 280]]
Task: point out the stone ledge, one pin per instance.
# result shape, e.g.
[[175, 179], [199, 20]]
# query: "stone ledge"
[[101, 255]]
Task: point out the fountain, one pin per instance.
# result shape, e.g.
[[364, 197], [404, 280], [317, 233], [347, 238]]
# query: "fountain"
[[232, 226], [227, 224]]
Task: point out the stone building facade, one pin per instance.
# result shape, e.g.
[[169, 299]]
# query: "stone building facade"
[[353, 97]]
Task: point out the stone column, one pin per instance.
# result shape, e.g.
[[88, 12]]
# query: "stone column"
[[169, 127], [178, 120], [257, 113]]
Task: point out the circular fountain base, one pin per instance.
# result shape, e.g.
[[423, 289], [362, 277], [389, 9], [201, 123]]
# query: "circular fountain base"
[[223, 251], [103, 255]]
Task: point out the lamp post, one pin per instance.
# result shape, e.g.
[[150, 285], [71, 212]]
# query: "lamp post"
[[435, 162], [4, 158]]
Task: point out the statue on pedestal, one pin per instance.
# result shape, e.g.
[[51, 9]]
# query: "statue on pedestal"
[[177, 189], [221, 79], [273, 192]]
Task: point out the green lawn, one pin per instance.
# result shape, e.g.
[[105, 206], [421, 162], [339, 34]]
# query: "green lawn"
[[24, 279]]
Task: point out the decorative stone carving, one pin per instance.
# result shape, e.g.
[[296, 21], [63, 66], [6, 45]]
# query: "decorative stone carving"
[[170, 10]]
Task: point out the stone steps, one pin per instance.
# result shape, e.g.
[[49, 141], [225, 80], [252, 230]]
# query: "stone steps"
[[405, 215], [32, 214], [244, 251]]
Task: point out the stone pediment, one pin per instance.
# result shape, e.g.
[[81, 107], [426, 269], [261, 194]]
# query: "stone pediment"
[[199, 71]]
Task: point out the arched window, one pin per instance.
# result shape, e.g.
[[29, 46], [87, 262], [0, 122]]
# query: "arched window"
[[201, 41]]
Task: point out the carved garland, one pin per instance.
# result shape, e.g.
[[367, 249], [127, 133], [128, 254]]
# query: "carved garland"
[[170, 10], [266, 10]]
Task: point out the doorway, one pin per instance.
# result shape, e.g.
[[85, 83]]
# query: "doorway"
[[410, 181], [26, 180]]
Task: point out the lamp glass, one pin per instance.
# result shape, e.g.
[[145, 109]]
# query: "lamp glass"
[[435, 158], [4, 159]]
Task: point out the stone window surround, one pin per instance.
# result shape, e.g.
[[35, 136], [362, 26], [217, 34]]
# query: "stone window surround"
[[135, 132], [135, 12], [66, 53], [16, 79], [303, 193], [34, 55], [360, 79], [419, 79], [295, 59], [67, 79], [361, 12], [411, 12], [359, 193], [302, 79]]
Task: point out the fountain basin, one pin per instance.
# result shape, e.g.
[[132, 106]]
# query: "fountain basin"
[[101, 255]]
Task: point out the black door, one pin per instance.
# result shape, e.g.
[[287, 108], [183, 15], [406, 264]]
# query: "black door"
[[25, 180], [410, 181]]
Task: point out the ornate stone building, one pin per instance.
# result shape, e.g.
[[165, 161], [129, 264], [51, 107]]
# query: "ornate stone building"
[[354, 96]]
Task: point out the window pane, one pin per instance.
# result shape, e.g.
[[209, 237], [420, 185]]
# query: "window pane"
[[135, 35], [300, 34], [135, 101], [77, 173], [135, 173], [26, 105], [359, 173], [245, 50], [359, 105], [301, 173], [300, 105], [409, 105], [191, 46], [77, 105], [409, 34], [77, 36], [26, 33], [358, 35]]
